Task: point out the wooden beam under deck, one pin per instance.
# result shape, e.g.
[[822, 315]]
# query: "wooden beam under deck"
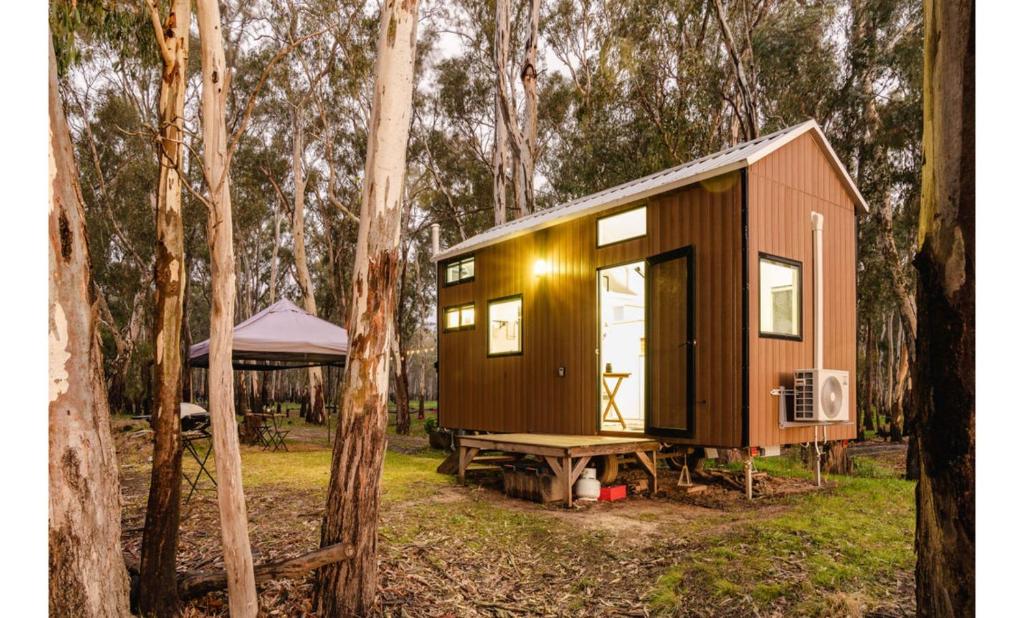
[[560, 451]]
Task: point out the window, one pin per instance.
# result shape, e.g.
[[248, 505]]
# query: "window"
[[505, 326], [780, 297], [623, 226], [460, 318], [460, 271]]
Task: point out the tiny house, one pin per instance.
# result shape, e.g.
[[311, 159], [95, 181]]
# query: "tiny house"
[[712, 304]]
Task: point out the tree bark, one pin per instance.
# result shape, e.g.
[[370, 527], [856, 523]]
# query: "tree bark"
[[87, 575], [499, 153], [522, 139], [157, 575], [899, 397], [353, 500], [316, 376], [400, 366], [527, 154], [903, 289], [230, 496], [944, 368], [870, 370], [745, 83], [401, 371]]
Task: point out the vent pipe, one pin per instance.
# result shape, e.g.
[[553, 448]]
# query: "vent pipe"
[[817, 227], [435, 238]]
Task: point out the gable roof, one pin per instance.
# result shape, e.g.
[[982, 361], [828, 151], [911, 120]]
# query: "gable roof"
[[736, 157]]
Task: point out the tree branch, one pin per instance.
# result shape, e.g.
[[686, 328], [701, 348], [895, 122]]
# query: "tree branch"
[[158, 29]]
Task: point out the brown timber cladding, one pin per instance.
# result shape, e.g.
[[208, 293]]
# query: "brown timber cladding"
[[524, 392], [784, 188]]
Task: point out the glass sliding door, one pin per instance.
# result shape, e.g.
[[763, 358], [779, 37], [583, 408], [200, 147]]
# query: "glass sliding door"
[[671, 344]]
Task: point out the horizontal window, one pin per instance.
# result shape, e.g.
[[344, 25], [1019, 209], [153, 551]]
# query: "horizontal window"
[[623, 226], [459, 318], [780, 297], [505, 326], [460, 271]]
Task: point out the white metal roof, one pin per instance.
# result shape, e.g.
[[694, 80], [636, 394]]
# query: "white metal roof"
[[734, 158]]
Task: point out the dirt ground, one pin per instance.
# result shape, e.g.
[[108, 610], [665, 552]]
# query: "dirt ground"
[[449, 550]]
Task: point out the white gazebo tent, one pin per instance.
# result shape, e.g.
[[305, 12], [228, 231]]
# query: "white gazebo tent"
[[282, 336]]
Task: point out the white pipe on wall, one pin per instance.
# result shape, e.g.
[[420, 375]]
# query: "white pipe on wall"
[[435, 238], [817, 228]]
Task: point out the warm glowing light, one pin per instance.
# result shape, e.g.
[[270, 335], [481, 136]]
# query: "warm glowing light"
[[541, 268]]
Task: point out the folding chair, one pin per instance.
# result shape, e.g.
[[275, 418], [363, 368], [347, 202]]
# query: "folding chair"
[[188, 440], [277, 436]]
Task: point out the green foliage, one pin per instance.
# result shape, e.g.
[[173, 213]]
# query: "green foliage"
[[77, 26], [626, 89]]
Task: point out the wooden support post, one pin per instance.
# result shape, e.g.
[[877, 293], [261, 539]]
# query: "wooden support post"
[[466, 456], [650, 464], [577, 470], [748, 474], [562, 467], [567, 479], [654, 473]]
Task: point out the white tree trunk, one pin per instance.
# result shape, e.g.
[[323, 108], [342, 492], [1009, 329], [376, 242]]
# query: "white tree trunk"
[[527, 160], [523, 139], [316, 376], [353, 500], [87, 573], [230, 496], [499, 153]]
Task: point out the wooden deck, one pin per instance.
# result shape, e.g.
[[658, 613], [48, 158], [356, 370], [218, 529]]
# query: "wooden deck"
[[567, 455]]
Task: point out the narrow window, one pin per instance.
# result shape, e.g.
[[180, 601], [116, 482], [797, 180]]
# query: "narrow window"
[[460, 317], [623, 226], [460, 271], [780, 297], [505, 326]]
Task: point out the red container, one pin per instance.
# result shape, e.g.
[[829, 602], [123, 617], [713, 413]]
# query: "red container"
[[612, 492]]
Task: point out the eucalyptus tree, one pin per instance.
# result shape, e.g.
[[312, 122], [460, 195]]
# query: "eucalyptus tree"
[[87, 575], [353, 500], [157, 573], [515, 132], [300, 80], [230, 497], [944, 415]]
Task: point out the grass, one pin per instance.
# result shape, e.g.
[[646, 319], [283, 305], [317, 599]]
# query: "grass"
[[810, 557], [405, 475], [832, 552]]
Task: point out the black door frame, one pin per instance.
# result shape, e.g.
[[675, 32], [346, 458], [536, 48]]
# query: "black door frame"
[[691, 345]]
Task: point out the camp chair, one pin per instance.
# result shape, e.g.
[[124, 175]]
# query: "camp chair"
[[275, 435], [189, 439]]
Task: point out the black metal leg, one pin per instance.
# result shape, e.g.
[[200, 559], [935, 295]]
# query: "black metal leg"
[[194, 483]]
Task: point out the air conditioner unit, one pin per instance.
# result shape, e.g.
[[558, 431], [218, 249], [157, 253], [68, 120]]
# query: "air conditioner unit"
[[821, 395]]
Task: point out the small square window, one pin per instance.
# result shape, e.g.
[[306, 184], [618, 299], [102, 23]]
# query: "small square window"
[[623, 226], [460, 271], [505, 326], [460, 318], [780, 297]]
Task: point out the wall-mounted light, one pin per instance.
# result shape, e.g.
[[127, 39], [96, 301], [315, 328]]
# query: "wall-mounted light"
[[541, 268]]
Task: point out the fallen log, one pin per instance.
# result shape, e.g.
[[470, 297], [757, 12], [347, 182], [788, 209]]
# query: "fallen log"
[[197, 583], [193, 584]]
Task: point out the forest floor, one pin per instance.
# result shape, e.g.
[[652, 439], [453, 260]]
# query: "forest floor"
[[448, 550]]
